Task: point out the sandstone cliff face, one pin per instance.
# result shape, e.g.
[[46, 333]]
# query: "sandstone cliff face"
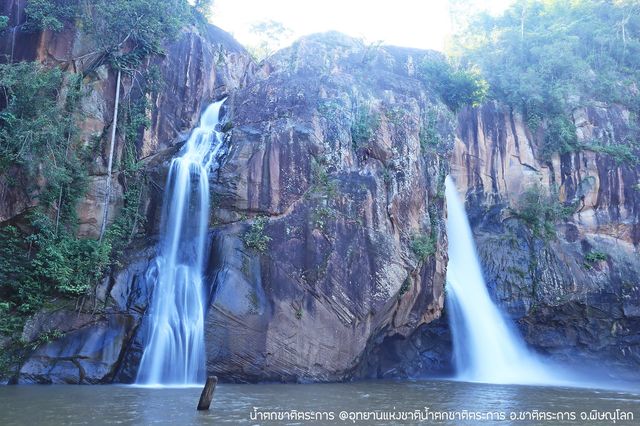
[[197, 68], [341, 210], [338, 274], [567, 306], [324, 147]]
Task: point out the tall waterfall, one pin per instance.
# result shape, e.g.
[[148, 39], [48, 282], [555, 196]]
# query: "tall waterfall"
[[174, 351], [486, 347]]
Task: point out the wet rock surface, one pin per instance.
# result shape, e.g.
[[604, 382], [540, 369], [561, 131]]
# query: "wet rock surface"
[[337, 274], [567, 305], [325, 151]]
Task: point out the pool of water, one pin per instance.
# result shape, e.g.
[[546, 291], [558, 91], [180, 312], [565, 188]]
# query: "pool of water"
[[353, 402]]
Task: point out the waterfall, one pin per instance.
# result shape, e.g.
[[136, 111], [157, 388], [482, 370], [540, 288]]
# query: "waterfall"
[[486, 347], [174, 351]]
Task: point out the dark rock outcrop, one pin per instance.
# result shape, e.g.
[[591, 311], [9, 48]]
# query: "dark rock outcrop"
[[338, 274], [325, 142], [200, 66], [567, 305]]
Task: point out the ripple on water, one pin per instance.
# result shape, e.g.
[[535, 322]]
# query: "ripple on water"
[[232, 404]]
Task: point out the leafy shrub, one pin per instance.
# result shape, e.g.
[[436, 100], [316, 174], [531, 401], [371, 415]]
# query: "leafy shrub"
[[457, 88], [144, 24], [423, 246], [619, 152], [4, 22], [33, 126], [255, 237], [364, 126], [595, 256], [560, 137], [545, 58], [49, 14], [541, 211]]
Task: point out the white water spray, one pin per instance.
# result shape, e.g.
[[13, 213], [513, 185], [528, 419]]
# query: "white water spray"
[[174, 352], [486, 348]]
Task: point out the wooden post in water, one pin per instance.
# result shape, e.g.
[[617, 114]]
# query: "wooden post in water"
[[207, 393]]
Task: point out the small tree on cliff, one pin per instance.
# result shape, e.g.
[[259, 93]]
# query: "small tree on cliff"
[[271, 35], [204, 7], [127, 32]]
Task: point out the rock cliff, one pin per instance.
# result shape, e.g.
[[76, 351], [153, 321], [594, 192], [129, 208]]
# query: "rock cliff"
[[201, 65], [324, 153], [341, 211], [573, 295], [569, 303], [327, 249]]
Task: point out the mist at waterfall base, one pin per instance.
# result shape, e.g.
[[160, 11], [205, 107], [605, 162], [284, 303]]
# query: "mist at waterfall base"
[[174, 352], [486, 347]]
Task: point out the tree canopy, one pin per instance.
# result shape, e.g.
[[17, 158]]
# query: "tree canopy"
[[545, 58]]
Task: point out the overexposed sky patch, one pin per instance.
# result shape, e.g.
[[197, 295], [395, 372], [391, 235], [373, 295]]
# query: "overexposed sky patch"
[[412, 23]]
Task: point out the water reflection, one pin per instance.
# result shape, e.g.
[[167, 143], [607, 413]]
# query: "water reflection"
[[233, 404]]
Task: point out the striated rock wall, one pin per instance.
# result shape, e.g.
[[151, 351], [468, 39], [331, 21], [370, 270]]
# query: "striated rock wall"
[[338, 274], [577, 311], [566, 305], [325, 148], [200, 66]]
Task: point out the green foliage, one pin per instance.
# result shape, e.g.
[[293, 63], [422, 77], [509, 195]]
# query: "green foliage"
[[33, 125], [49, 14], [595, 256], [321, 215], [37, 133], [139, 25], [40, 265], [621, 153], [126, 31], [545, 58], [255, 237], [4, 22], [456, 87], [541, 211], [365, 123], [560, 136], [423, 246]]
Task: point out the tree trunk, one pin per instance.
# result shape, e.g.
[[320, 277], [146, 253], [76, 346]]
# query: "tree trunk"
[[107, 195], [207, 393]]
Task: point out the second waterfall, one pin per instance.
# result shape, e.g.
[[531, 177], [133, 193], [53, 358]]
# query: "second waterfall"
[[486, 346], [174, 349]]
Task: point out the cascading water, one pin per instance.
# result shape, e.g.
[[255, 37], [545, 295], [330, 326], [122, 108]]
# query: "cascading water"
[[174, 350], [486, 348]]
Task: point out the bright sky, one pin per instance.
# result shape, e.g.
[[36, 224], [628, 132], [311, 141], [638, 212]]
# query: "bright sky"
[[412, 23]]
